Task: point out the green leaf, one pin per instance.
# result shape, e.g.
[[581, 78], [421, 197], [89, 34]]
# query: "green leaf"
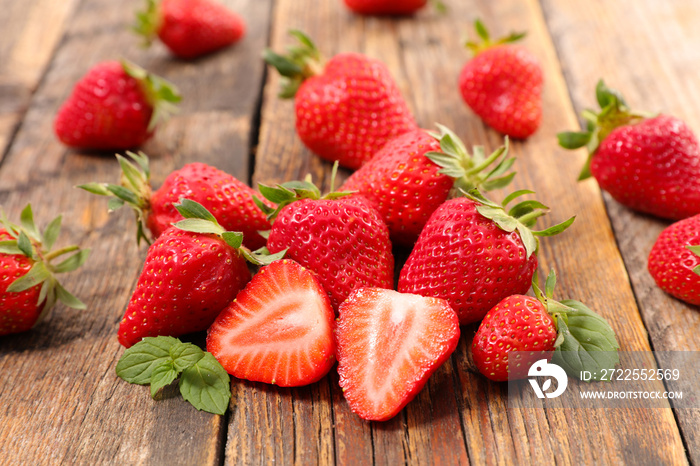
[[96, 188], [277, 194], [68, 299], [481, 30], [303, 38], [589, 343], [163, 375], [125, 194], [529, 241], [233, 238], [192, 209], [556, 229], [526, 207], [198, 225], [206, 385], [9, 247], [25, 245], [267, 210], [51, 233], [37, 274], [26, 219], [138, 362], [282, 64], [509, 198], [498, 183], [114, 203], [73, 262], [550, 284], [133, 175], [573, 139], [185, 355]]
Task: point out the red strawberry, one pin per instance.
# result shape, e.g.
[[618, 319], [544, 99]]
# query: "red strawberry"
[[673, 260], [192, 272], [534, 328], [342, 239], [229, 200], [404, 181], [503, 85], [385, 7], [190, 28], [389, 344], [346, 110], [649, 164], [28, 287], [473, 253], [114, 106], [278, 330]]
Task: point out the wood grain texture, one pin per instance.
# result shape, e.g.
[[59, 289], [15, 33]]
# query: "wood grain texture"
[[664, 80], [424, 55], [61, 400]]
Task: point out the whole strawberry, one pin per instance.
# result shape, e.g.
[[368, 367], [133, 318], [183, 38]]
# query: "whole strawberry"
[[114, 106], [542, 328], [190, 28], [342, 239], [502, 84], [230, 200], [191, 273], [413, 174], [347, 108], [674, 262], [473, 253], [385, 7], [28, 286], [649, 164]]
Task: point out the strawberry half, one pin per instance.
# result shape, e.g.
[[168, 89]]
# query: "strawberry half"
[[190, 28], [278, 330], [229, 200], [389, 344], [503, 84], [114, 106], [535, 327], [649, 164], [28, 286], [346, 109]]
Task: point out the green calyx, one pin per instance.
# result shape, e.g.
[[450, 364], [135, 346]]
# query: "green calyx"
[[148, 22], [486, 41], [198, 219], [286, 193], [585, 341], [133, 190], [521, 217], [470, 170], [613, 113], [28, 241], [301, 62], [161, 94]]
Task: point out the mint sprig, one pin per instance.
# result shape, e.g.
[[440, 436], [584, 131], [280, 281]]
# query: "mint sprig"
[[159, 361]]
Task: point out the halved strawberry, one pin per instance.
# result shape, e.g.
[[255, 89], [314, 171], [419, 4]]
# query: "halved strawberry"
[[389, 344], [278, 330]]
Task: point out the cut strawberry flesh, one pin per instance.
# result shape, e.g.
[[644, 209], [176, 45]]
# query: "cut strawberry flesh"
[[278, 330], [389, 344]]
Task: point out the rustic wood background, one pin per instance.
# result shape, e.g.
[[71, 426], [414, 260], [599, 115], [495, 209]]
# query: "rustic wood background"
[[60, 400]]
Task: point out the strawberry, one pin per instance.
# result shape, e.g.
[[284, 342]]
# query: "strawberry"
[[473, 253], [502, 84], [535, 328], [189, 28], [347, 109], [673, 261], [28, 286], [342, 239], [278, 330], [649, 164], [388, 346], [404, 181], [114, 106], [230, 200], [385, 7], [191, 273]]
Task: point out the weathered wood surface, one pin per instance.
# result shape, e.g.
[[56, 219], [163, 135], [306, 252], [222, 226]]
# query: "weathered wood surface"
[[60, 400]]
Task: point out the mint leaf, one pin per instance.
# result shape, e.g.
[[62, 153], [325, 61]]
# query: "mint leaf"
[[206, 385], [163, 375], [185, 355], [138, 362], [589, 343]]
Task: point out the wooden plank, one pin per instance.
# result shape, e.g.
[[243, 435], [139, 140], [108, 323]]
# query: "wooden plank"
[[655, 72], [424, 55], [62, 402], [31, 30]]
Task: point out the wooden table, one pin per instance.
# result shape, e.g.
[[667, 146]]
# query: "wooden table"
[[60, 400]]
